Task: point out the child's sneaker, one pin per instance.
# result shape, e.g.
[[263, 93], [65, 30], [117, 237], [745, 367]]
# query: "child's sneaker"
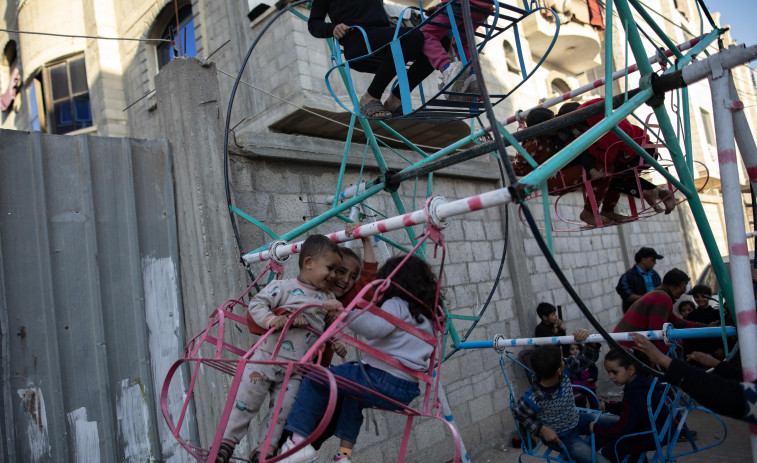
[[450, 73], [338, 457], [304, 455]]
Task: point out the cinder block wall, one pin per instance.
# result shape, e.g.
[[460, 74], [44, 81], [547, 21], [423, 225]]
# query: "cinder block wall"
[[283, 192]]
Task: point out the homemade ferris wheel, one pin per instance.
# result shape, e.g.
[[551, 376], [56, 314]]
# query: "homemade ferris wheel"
[[676, 69]]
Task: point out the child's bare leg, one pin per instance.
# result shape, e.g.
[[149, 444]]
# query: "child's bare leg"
[[650, 196], [668, 199], [599, 189], [345, 449], [608, 207], [392, 102]]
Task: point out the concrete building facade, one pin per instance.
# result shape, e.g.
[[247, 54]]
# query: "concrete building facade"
[[285, 157]]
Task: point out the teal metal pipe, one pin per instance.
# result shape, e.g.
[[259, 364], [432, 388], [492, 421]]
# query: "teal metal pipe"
[[330, 214], [697, 210], [657, 29], [540, 175], [625, 138], [634, 39]]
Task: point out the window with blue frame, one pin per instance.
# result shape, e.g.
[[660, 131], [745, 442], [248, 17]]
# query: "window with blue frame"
[[68, 96], [182, 38]]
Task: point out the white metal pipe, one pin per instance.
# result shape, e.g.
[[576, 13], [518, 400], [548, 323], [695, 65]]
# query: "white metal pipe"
[[743, 294], [733, 56], [440, 210], [667, 335], [599, 82], [744, 137]]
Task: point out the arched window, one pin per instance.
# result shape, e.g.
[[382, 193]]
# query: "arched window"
[[559, 86], [185, 38], [511, 57]]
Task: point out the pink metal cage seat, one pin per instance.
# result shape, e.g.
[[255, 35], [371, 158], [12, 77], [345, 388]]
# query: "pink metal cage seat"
[[638, 211], [231, 360]]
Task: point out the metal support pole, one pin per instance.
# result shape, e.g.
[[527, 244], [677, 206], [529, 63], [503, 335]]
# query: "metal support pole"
[[438, 211], [743, 295], [744, 137], [667, 334], [447, 412]]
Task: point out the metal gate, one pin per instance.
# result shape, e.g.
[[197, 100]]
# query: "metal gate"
[[90, 299]]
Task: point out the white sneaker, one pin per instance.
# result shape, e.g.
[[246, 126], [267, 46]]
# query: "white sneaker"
[[448, 75], [304, 455]]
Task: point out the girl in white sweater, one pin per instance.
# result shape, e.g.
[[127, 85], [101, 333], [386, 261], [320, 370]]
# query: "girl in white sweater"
[[415, 307]]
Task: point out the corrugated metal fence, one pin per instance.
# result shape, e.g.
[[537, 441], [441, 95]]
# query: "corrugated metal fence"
[[90, 300]]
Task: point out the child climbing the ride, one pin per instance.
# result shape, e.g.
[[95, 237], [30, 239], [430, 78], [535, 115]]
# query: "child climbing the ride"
[[370, 15], [372, 374], [631, 414], [271, 308], [548, 407], [437, 28]]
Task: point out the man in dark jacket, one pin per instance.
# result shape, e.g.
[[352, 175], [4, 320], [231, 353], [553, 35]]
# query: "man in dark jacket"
[[639, 279]]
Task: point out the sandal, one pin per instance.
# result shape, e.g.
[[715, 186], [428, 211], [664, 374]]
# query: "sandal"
[[224, 453], [372, 108]]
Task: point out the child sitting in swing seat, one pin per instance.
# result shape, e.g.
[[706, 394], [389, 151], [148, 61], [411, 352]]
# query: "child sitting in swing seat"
[[416, 277], [319, 260]]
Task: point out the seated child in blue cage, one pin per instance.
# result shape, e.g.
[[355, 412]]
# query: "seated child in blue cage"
[[631, 414], [416, 277], [548, 408], [318, 261]]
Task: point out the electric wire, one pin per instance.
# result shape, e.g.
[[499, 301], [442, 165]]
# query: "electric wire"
[[228, 120], [97, 37]]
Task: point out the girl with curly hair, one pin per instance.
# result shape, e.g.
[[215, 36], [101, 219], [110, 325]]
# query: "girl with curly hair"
[[410, 298]]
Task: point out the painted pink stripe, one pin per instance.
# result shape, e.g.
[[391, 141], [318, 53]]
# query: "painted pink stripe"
[[727, 156], [739, 249], [356, 233], [598, 83], [750, 374], [294, 248], [381, 227], [632, 68], [752, 172], [747, 317], [475, 203], [566, 96], [407, 220], [334, 237]]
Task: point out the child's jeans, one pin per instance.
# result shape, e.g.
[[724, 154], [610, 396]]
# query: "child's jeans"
[[433, 33], [579, 450], [615, 449], [314, 397]]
